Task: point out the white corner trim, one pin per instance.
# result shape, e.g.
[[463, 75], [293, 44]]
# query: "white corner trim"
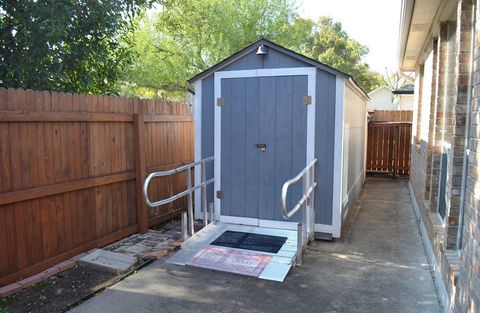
[[287, 71], [197, 119], [324, 228], [310, 72], [338, 158]]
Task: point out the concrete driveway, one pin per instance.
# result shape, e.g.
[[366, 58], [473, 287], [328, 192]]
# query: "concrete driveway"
[[378, 266]]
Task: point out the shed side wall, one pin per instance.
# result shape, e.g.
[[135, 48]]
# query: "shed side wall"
[[354, 148]]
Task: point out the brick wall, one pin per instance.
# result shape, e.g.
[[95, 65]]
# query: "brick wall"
[[468, 286], [459, 269]]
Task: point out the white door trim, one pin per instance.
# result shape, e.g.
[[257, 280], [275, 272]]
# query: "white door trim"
[[310, 72]]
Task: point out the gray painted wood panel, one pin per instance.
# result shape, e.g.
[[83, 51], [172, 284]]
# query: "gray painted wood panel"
[[274, 59], [299, 135], [237, 147], [252, 157], [262, 110], [207, 135], [267, 135], [226, 147], [324, 146]]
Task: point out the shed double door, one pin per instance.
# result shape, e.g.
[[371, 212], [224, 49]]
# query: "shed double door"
[[263, 144]]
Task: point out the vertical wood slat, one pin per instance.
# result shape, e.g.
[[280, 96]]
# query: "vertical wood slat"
[[34, 154], [140, 170]]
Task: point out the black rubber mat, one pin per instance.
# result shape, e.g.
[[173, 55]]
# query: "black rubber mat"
[[249, 241]]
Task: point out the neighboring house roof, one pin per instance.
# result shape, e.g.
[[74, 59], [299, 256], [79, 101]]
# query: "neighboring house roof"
[[374, 91], [271, 45], [404, 90]]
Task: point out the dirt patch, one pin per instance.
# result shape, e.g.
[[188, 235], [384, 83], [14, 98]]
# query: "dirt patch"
[[57, 292], [65, 289]]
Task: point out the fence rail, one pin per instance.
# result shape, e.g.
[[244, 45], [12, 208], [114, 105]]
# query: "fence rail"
[[391, 116], [72, 168]]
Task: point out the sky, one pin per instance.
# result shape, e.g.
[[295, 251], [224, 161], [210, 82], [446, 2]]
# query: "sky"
[[373, 23]]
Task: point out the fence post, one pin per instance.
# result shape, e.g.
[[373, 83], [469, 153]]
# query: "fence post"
[[140, 169]]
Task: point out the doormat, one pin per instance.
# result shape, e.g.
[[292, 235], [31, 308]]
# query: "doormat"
[[232, 261], [249, 241]]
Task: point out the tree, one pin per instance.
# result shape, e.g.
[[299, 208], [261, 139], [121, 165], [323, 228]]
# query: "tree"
[[186, 37], [398, 79], [66, 45], [327, 42], [189, 36]]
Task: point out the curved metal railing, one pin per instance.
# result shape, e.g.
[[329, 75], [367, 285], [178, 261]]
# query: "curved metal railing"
[[305, 230], [188, 192]]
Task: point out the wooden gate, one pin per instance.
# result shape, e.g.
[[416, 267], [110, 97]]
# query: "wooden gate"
[[388, 147]]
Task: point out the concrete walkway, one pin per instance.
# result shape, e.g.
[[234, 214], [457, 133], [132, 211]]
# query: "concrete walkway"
[[378, 266]]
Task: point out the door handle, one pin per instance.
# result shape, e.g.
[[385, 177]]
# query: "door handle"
[[261, 146]]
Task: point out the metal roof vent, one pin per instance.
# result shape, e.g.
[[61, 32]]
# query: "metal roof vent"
[[262, 50]]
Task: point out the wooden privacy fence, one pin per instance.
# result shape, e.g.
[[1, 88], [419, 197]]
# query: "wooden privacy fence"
[[389, 142], [72, 168], [388, 147]]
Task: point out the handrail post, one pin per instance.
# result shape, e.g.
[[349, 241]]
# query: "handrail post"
[[204, 194], [211, 212], [184, 226], [299, 243], [305, 211], [190, 202], [312, 203]]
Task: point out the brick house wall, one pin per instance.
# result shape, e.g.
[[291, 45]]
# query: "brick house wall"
[[441, 98]]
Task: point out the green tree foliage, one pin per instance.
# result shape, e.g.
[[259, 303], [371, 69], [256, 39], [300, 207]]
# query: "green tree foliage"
[[186, 37], [327, 42], [189, 36], [66, 45]]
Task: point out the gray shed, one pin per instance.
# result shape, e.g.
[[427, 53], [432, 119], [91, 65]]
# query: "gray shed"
[[266, 112]]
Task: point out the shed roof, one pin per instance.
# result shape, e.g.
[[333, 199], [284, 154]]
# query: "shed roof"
[[271, 45]]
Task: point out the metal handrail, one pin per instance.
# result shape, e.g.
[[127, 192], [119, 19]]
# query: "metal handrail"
[[306, 229], [188, 192], [288, 214]]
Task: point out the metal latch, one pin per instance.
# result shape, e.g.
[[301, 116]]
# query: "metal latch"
[[220, 102], [307, 100], [219, 194], [261, 146]]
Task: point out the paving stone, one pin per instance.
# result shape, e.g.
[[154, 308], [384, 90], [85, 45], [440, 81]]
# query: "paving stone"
[[10, 289], [77, 257], [49, 272], [108, 261], [30, 281], [156, 254], [65, 265]]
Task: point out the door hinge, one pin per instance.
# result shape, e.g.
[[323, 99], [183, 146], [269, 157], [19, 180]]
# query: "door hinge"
[[219, 194], [307, 100], [220, 102]]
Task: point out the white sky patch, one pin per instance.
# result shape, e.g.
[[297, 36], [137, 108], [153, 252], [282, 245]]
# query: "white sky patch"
[[373, 23]]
